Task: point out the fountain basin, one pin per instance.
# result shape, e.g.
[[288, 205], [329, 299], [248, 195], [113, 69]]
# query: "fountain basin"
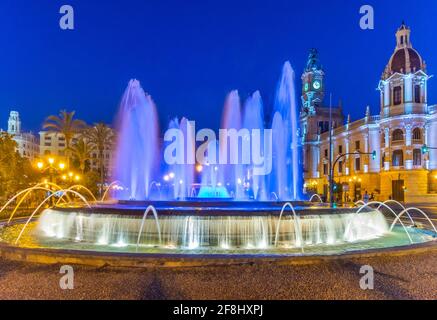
[[219, 228]]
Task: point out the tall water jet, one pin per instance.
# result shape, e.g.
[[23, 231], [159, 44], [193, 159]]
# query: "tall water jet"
[[137, 146], [285, 105], [231, 174], [253, 121], [180, 154]]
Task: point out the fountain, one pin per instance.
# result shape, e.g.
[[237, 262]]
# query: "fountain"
[[218, 203], [137, 148]]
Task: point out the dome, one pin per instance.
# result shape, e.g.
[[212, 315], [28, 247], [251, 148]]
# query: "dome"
[[406, 60]]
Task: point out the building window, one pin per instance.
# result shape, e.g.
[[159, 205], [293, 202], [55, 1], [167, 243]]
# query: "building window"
[[417, 93], [357, 164], [340, 149], [417, 157], [398, 135], [325, 169], [397, 95], [323, 126], [47, 144], [398, 158], [383, 160], [340, 167], [326, 153], [357, 145], [417, 134]]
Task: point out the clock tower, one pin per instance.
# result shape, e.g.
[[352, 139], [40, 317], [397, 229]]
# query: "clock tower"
[[314, 115], [313, 88]]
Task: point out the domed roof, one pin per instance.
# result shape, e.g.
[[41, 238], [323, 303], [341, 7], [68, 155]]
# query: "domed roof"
[[405, 58]]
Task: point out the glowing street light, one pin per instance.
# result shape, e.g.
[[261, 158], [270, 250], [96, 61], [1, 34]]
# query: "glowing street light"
[[199, 168]]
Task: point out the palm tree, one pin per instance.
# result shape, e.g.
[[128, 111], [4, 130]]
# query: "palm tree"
[[66, 125], [81, 151], [101, 137]]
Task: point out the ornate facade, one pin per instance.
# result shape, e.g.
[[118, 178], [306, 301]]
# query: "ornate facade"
[[27, 142], [399, 169]]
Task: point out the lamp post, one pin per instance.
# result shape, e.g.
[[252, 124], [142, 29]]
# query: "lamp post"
[[331, 171], [51, 167]]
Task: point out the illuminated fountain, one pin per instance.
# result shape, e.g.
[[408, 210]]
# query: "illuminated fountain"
[[184, 206]]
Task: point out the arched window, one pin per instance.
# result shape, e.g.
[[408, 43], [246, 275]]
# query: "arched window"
[[397, 95], [398, 135], [417, 134], [398, 158]]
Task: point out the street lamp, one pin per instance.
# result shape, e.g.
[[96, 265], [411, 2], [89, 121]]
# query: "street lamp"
[[331, 172], [51, 167]]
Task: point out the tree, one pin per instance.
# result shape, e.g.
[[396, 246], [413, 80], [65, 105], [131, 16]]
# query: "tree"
[[66, 125], [81, 152], [101, 137], [15, 171]]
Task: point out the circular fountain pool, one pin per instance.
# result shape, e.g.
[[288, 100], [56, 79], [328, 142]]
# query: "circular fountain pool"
[[214, 227]]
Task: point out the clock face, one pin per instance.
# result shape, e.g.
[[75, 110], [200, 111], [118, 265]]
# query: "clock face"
[[306, 86], [316, 85]]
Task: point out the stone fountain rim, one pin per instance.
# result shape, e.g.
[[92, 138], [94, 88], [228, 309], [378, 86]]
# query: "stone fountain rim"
[[145, 260], [154, 260]]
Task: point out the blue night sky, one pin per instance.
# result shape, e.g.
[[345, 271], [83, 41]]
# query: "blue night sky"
[[189, 54]]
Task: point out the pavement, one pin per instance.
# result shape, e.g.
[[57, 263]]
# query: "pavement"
[[395, 277], [401, 277]]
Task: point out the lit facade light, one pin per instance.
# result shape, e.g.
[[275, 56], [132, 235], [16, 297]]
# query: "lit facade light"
[[62, 166], [171, 175], [51, 161], [199, 168], [166, 177], [40, 165]]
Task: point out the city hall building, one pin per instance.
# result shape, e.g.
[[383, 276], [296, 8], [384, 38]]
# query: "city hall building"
[[400, 170]]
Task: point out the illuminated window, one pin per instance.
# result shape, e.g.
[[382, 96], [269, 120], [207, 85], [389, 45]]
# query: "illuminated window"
[[357, 164], [397, 95], [417, 157], [398, 158], [398, 135], [417, 134], [357, 145]]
